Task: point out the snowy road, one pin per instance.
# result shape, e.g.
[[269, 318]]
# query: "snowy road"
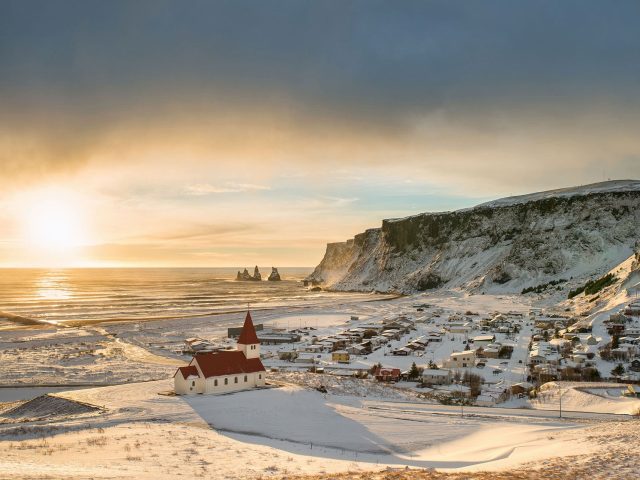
[[429, 409], [518, 362]]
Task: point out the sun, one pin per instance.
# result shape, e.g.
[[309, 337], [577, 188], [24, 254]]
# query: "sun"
[[53, 221]]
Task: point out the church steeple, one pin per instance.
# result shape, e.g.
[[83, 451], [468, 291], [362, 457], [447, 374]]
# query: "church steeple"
[[248, 341]]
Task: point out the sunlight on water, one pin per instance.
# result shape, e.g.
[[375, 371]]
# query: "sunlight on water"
[[85, 295], [52, 286]]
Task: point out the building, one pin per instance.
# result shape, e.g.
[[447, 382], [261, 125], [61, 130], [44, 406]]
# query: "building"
[[436, 377], [461, 329], [289, 355], [224, 371], [404, 351], [234, 332], [591, 340], [466, 359], [387, 374], [276, 338], [521, 388], [483, 340], [491, 351], [341, 356], [357, 350]]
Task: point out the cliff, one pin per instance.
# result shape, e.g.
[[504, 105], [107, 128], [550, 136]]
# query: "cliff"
[[500, 246]]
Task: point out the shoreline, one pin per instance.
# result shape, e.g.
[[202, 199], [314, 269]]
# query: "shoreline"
[[40, 324]]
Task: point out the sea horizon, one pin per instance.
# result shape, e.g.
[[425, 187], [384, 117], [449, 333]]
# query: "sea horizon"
[[86, 295]]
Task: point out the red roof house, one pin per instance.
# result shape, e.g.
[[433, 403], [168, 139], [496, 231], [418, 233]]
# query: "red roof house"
[[387, 374]]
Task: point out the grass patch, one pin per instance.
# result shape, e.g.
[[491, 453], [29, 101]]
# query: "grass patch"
[[594, 286], [543, 286]]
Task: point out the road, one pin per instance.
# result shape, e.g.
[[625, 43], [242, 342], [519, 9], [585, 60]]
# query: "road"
[[517, 371], [492, 412]]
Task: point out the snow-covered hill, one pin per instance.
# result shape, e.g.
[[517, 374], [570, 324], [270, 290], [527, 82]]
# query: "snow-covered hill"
[[500, 246]]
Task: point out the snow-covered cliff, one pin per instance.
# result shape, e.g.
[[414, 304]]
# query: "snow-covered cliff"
[[500, 246]]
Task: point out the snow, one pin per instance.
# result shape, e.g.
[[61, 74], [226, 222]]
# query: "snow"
[[358, 425], [270, 431], [597, 398], [600, 187]]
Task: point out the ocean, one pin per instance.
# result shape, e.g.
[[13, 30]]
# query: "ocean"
[[71, 295]]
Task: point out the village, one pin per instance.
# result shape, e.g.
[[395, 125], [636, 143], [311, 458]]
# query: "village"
[[452, 357]]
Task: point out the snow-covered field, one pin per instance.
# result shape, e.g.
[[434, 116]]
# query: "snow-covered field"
[[276, 431]]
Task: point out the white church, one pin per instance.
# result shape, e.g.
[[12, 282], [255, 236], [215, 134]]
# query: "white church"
[[225, 371]]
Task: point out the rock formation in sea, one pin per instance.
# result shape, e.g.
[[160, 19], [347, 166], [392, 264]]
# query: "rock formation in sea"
[[275, 276], [245, 276]]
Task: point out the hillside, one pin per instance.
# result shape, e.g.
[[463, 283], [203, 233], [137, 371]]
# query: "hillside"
[[501, 246]]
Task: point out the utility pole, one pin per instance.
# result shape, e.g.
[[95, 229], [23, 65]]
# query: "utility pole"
[[560, 401]]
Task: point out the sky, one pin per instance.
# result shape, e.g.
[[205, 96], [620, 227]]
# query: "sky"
[[234, 133]]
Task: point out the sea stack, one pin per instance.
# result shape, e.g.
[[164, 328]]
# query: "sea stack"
[[245, 276], [275, 276]]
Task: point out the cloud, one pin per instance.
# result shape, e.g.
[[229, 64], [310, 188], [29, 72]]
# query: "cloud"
[[237, 123], [230, 187]]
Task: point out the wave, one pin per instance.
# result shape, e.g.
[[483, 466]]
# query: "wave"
[[102, 294]]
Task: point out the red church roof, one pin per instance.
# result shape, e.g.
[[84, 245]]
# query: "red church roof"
[[227, 362], [187, 371], [248, 335]]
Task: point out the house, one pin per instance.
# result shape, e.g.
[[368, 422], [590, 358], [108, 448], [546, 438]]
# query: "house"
[[591, 340], [492, 351], [357, 350], [632, 310], [289, 355], [392, 334], [194, 345], [306, 357], [632, 331], [341, 356], [521, 388], [333, 343], [387, 374], [275, 338], [462, 329], [404, 351], [224, 371], [483, 340], [314, 348], [579, 358], [415, 346], [436, 376], [466, 359]]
